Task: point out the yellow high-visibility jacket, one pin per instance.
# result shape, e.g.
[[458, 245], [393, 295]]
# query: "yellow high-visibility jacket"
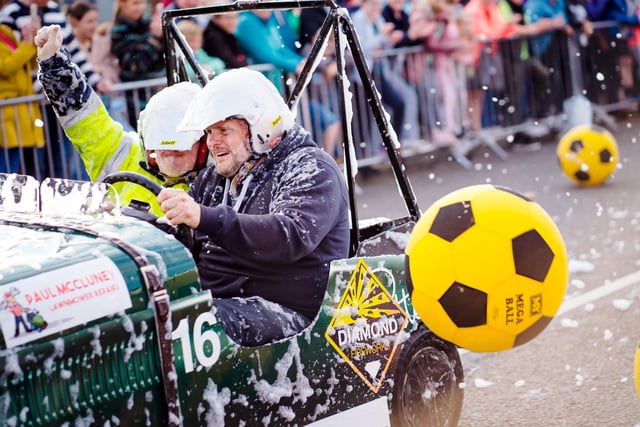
[[104, 146]]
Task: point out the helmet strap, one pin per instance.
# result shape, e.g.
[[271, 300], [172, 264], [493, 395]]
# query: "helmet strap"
[[151, 159], [245, 170], [203, 153], [152, 168], [274, 141], [166, 180]]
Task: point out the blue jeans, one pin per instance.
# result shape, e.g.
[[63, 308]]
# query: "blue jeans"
[[12, 160]]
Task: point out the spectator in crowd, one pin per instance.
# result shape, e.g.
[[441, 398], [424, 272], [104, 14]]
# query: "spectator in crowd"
[[612, 10], [489, 27], [412, 67], [579, 17], [581, 28], [553, 10], [618, 74], [394, 12], [269, 215], [447, 45], [323, 121], [163, 155], [137, 43], [16, 14], [468, 42], [311, 19], [22, 123], [186, 4], [529, 73], [211, 65], [220, 40], [179, 4], [260, 37], [324, 124], [422, 25], [262, 43], [288, 24], [95, 41], [375, 36], [83, 17], [550, 102]]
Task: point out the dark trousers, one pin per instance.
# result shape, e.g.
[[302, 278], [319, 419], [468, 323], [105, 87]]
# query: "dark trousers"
[[393, 100], [255, 321]]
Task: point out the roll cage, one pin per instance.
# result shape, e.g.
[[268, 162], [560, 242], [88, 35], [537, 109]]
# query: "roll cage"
[[337, 24]]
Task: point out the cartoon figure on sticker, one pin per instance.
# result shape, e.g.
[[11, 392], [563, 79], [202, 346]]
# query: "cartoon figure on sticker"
[[34, 319]]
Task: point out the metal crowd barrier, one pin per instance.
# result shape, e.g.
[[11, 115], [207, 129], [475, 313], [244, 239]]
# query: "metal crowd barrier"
[[58, 158], [531, 100]]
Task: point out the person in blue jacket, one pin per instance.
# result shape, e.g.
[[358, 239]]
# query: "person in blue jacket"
[[263, 43], [269, 215]]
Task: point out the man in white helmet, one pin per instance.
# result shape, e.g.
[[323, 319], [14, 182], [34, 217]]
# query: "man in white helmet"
[[158, 152], [269, 215]]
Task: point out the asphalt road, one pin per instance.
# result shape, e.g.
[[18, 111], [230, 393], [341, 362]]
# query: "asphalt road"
[[578, 371]]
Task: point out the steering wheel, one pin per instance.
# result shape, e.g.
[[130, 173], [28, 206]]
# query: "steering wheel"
[[141, 210]]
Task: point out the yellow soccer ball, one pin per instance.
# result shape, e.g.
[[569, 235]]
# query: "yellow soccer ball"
[[487, 268], [588, 154]]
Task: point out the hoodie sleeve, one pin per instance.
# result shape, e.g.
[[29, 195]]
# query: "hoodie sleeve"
[[305, 206], [66, 88], [98, 138]]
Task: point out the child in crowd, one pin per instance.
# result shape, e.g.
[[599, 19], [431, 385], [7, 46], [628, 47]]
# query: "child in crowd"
[[193, 35]]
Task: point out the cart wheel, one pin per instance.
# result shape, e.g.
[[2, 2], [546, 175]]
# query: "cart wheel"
[[427, 381]]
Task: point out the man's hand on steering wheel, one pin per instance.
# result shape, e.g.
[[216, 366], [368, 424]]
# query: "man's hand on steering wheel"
[[180, 231], [179, 207]]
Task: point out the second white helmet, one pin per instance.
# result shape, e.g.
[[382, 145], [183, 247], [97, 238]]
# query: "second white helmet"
[[245, 94], [159, 119]]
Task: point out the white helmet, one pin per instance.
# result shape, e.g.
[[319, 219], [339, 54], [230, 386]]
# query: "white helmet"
[[159, 119], [244, 94]]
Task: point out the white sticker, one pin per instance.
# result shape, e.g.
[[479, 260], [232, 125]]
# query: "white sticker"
[[51, 302], [373, 413]]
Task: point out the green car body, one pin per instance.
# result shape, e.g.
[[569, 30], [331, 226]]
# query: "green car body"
[[108, 369], [126, 335]]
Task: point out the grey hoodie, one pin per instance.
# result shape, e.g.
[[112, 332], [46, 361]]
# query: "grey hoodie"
[[278, 240]]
